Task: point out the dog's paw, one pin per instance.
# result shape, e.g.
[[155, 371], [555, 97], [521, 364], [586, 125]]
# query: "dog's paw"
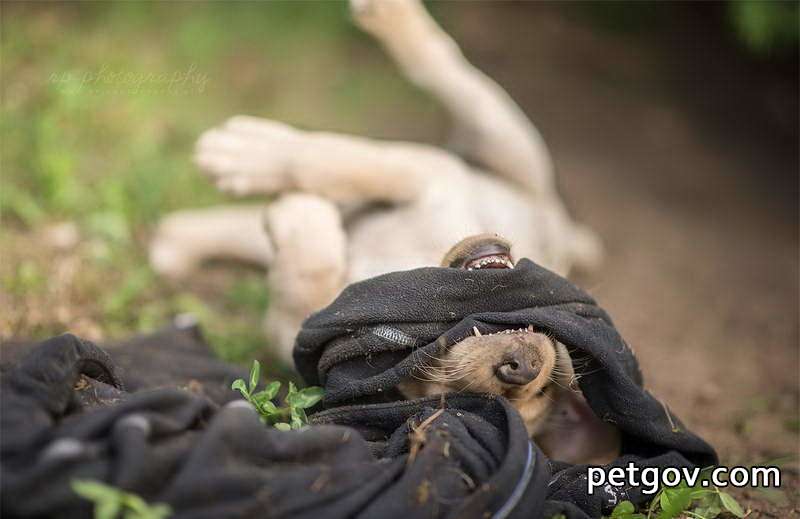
[[247, 155], [169, 255], [384, 17]]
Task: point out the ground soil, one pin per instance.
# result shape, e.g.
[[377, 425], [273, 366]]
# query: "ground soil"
[[682, 153]]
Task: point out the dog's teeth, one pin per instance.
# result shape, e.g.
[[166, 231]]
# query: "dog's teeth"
[[530, 327], [477, 332]]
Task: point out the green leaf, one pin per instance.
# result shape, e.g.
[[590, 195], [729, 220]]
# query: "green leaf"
[[730, 504], [259, 398], [94, 490], [702, 493], [623, 509], [145, 511], [709, 512], [160, 511], [296, 423], [664, 501], [107, 509], [110, 501], [282, 426], [255, 374], [305, 398], [626, 510], [673, 501], [240, 386], [271, 390], [654, 502], [268, 408], [136, 503]]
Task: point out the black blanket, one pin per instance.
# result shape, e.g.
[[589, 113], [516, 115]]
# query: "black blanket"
[[66, 416], [174, 436], [377, 330]]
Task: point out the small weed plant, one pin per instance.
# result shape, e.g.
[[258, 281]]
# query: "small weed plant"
[[292, 414], [110, 502], [695, 502]]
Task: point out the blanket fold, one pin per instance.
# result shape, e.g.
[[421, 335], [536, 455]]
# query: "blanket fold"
[[374, 334], [157, 416], [470, 458]]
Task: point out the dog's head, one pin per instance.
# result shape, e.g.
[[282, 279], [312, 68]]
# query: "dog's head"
[[524, 365], [528, 367]]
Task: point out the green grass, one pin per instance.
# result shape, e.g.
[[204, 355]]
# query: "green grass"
[[101, 105]]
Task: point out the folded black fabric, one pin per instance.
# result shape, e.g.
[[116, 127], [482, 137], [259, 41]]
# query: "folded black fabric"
[[67, 416], [160, 420], [175, 356], [376, 331]]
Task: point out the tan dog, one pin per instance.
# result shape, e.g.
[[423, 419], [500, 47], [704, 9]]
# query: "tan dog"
[[533, 371], [348, 208]]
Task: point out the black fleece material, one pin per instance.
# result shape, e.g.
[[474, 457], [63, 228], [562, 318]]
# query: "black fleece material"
[[160, 421], [374, 334]]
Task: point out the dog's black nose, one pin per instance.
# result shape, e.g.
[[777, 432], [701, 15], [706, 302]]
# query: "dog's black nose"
[[518, 368]]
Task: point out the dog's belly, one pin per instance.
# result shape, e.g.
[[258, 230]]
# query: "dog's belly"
[[419, 234], [398, 239]]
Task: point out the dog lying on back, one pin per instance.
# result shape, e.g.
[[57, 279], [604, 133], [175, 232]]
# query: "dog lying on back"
[[533, 371], [347, 208]]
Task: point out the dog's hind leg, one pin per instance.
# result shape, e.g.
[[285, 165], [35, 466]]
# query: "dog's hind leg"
[[248, 155], [493, 129], [309, 267], [185, 239]]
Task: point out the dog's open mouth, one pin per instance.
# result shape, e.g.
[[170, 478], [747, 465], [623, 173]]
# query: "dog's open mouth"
[[492, 261], [528, 329], [485, 251]]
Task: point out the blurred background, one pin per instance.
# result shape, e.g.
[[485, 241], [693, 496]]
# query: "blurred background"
[[674, 129]]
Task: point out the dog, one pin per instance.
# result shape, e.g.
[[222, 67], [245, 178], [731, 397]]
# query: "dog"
[[529, 368], [345, 208]]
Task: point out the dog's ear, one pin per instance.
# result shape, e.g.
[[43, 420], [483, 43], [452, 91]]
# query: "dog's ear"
[[573, 432], [475, 246]]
